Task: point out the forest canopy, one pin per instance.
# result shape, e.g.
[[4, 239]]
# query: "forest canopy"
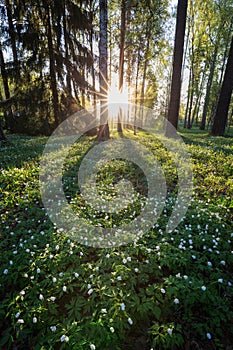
[[49, 58]]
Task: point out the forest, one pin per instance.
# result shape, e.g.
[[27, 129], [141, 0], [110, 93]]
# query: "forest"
[[49, 57], [116, 182]]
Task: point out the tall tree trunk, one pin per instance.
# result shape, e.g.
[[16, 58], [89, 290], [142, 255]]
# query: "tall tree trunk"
[[83, 86], [2, 135], [136, 91], [93, 59], [188, 99], [12, 38], [122, 44], [142, 97], [208, 88], [8, 112], [53, 79], [67, 62], [222, 74], [173, 110], [198, 99], [121, 60], [190, 107], [220, 119], [103, 132]]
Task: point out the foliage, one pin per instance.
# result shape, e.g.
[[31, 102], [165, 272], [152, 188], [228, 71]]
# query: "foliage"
[[165, 291]]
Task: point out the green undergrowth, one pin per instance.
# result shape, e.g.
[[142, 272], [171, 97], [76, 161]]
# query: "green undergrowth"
[[161, 291]]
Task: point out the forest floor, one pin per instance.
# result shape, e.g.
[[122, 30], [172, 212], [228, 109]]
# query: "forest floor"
[[161, 291]]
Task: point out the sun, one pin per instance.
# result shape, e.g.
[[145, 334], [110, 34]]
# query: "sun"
[[117, 97]]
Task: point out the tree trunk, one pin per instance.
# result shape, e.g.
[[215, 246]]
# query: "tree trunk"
[[136, 92], [198, 99], [2, 135], [221, 76], [67, 63], [121, 59], [208, 88], [173, 110], [8, 112], [53, 79], [220, 119], [103, 132], [93, 60], [142, 97], [12, 38], [188, 99], [190, 107]]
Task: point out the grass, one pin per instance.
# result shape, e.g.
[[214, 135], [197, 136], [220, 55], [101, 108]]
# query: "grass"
[[162, 291]]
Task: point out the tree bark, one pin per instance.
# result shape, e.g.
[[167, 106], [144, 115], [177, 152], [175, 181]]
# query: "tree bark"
[[208, 88], [198, 99], [173, 110], [136, 92], [67, 63], [188, 99], [121, 59], [103, 132], [8, 112], [53, 79], [142, 97], [12, 38], [93, 57], [220, 119]]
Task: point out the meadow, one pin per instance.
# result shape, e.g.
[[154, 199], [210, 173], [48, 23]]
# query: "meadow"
[[162, 291]]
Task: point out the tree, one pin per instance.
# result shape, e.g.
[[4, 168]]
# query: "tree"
[[7, 110], [220, 118], [173, 110], [53, 79], [210, 27], [44, 78], [12, 37], [103, 132], [121, 59]]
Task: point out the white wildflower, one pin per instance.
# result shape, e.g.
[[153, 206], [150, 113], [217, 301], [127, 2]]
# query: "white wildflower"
[[169, 330], [20, 320], [130, 321], [64, 338], [90, 291]]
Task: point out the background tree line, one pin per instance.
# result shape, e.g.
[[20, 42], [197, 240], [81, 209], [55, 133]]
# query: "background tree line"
[[49, 58], [207, 49]]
